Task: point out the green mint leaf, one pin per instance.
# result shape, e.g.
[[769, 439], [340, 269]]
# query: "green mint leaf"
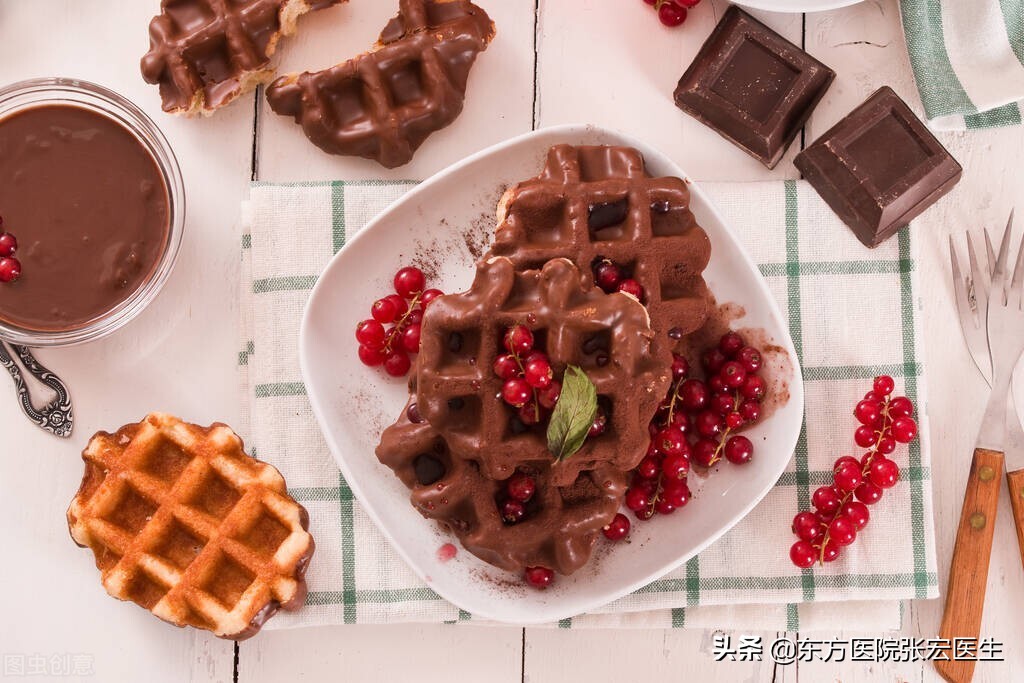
[[573, 415]]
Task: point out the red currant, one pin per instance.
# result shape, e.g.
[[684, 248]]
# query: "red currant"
[[884, 473], [751, 411], [516, 392], [409, 282], [529, 414], [633, 288], [680, 367], [648, 467], [618, 528], [886, 445], [830, 552], [521, 487], [676, 492], [857, 513], [512, 511], [599, 425], [847, 477], [397, 363], [607, 275], [864, 436], [676, 466], [803, 554], [754, 387], [739, 450], [867, 412], [547, 398], [730, 344], [384, 311], [733, 374], [900, 407], [414, 316], [826, 500], [672, 441], [713, 360], [842, 531], [505, 366], [694, 394], [689, 4], [705, 452], [371, 356], [537, 373], [518, 339], [846, 460], [883, 385], [750, 358], [8, 245], [428, 296], [868, 493], [10, 269], [400, 305], [806, 526], [370, 333], [637, 499], [411, 338], [723, 403], [734, 421], [708, 423], [904, 429], [539, 577]]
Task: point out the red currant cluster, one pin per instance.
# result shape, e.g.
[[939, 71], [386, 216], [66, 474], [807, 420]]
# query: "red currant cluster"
[[403, 311], [884, 421], [611, 277], [10, 267], [672, 12], [697, 421]]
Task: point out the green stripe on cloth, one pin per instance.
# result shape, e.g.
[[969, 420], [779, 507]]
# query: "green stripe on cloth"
[[1007, 115], [693, 581], [338, 215], [565, 623], [348, 550], [746, 583], [678, 617], [835, 268], [910, 386], [1013, 17], [279, 389], [246, 241], [243, 355], [283, 284], [941, 91], [803, 493], [837, 373], [792, 617]]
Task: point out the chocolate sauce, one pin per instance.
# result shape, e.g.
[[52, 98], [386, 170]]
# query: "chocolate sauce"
[[90, 209]]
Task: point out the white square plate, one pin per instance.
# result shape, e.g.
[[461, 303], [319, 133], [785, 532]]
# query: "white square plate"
[[438, 225]]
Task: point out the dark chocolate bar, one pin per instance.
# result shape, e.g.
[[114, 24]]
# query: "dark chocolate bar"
[[752, 86], [879, 167]]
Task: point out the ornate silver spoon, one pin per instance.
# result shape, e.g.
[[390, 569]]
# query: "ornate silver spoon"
[[56, 416]]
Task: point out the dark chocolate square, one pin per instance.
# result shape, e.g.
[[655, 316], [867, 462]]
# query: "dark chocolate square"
[[879, 167], [752, 86]]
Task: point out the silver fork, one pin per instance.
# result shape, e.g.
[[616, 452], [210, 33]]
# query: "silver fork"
[[1000, 298]]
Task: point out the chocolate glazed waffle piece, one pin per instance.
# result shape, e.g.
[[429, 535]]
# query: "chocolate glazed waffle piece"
[[205, 53], [608, 336], [383, 104], [184, 523], [596, 203], [561, 524]]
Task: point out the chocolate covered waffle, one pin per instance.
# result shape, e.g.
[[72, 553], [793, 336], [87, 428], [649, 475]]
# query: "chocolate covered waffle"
[[185, 524], [384, 103], [608, 336], [597, 205], [205, 53], [560, 524]]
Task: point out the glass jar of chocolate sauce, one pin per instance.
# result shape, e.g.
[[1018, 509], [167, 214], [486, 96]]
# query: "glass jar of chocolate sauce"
[[93, 193]]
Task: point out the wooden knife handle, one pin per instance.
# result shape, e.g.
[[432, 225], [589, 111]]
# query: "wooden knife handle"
[[968, 572], [1015, 482]]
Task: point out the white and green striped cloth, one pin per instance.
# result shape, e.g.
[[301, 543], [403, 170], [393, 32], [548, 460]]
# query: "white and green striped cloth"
[[834, 291], [968, 60]]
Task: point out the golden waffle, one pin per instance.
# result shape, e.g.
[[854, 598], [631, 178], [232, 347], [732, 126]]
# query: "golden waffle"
[[383, 104], [643, 223], [205, 53], [185, 524], [607, 335], [561, 524]]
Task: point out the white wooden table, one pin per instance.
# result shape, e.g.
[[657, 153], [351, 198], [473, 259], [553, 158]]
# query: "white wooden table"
[[554, 61]]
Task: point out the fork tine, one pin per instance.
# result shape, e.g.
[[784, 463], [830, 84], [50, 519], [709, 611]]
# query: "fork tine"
[[981, 280], [990, 253], [1018, 276], [961, 290], [999, 282]]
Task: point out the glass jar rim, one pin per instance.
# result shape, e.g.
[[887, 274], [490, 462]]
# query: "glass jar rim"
[[37, 92]]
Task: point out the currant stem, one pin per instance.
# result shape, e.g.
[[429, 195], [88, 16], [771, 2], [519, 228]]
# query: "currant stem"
[[401, 322]]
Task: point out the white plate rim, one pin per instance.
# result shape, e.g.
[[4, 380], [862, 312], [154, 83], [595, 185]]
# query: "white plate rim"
[[551, 614], [796, 6]]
